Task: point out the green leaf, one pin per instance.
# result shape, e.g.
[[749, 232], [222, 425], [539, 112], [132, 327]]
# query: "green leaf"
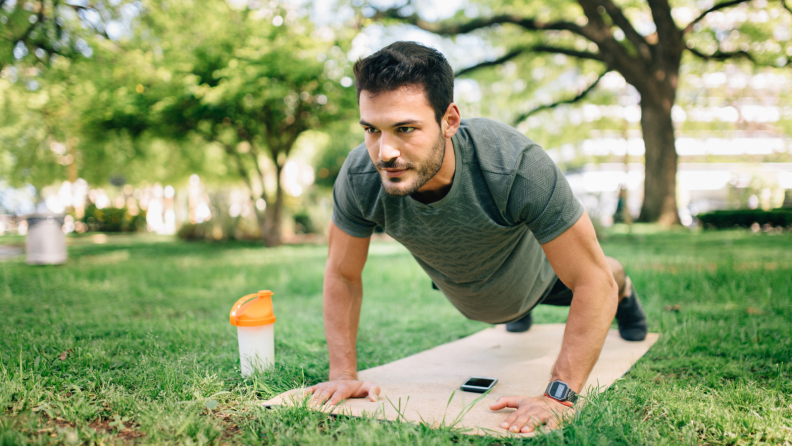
[[211, 404]]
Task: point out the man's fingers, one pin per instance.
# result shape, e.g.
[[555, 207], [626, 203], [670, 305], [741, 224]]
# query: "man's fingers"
[[374, 392], [505, 401], [518, 419], [362, 390], [333, 392], [336, 398], [535, 419], [324, 395], [510, 420]]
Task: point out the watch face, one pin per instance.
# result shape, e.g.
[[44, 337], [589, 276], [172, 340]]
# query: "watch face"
[[558, 390]]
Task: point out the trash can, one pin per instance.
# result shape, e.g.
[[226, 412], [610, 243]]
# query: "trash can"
[[45, 242]]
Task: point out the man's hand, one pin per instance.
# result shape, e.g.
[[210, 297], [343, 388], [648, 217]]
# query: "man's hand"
[[339, 389], [531, 412]]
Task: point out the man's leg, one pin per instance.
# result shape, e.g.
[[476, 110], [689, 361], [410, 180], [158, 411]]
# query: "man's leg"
[[622, 281], [629, 314]]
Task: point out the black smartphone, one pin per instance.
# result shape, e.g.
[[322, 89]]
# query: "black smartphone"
[[478, 384]]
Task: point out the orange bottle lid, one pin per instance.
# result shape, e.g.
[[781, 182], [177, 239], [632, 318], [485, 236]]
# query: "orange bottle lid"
[[253, 310]]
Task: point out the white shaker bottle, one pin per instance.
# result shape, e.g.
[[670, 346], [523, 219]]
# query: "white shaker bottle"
[[255, 322]]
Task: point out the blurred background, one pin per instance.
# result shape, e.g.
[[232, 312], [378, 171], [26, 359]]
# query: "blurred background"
[[230, 119]]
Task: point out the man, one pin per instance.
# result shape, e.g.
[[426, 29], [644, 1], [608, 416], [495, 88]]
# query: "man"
[[484, 211]]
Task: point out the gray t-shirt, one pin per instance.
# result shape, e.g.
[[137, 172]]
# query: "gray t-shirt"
[[480, 244]]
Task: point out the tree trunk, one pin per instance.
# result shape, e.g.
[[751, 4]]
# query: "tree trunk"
[[271, 230], [659, 204]]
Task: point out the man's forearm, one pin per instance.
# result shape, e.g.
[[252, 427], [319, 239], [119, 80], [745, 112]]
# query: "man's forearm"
[[590, 317], [342, 300]]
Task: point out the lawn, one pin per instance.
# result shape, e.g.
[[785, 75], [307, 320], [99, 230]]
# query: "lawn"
[[129, 343]]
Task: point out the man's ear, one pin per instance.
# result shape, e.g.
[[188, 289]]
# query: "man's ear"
[[451, 120]]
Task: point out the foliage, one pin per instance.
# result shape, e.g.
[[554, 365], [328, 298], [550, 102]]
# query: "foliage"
[[344, 137], [744, 218], [47, 80], [111, 219], [544, 47], [247, 81], [195, 231], [223, 90], [45, 140], [303, 223], [32, 32]]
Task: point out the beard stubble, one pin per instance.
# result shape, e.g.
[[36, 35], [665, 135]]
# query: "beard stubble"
[[425, 170]]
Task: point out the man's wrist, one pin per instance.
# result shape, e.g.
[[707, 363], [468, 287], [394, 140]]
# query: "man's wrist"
[[574, 385], [352, 376]]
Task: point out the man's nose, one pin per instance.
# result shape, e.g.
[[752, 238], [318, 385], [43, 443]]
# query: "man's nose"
[[388, 151]]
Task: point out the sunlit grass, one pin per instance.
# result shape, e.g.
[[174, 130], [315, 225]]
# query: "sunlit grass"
[[142, 327]]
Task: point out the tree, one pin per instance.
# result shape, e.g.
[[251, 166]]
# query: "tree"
[[249, 81], [33, 31], [608, 34], [42, 94]]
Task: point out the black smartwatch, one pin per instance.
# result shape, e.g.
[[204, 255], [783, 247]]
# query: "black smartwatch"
[[560, 391]]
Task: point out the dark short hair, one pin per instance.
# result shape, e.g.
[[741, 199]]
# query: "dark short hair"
[[407, 64]]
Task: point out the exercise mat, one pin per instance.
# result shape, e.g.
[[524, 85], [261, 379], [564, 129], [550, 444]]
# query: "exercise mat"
[[419, 388]]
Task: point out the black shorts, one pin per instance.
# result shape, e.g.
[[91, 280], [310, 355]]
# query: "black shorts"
[[560, 295]]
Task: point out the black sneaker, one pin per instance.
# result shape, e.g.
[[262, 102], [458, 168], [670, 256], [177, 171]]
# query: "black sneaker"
[[631, 318], [520, 325]]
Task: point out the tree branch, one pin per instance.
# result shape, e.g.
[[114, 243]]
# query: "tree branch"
[[536, 48], [721, 56], [478, 23], [667, 32], [568, 52], [508, 56], [622, 22], [594, 18], [29, 30], [784, 4], [240, 167], [254, 152], [79, 8], [577, 98], [727, 4]]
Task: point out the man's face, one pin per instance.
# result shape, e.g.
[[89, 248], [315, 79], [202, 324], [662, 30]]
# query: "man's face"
[[404, 141]]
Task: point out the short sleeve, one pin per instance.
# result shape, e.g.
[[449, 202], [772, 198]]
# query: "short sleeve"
[[541, 196], [346, 211]]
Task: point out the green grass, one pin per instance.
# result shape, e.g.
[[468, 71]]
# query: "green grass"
[[142, 327]]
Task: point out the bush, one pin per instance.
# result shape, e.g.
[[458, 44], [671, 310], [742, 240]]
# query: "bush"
[[744, 218], [113, 219], [303, 223], [192, 231]]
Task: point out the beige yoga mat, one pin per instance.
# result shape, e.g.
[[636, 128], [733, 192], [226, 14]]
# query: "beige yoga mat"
[[521, 362]]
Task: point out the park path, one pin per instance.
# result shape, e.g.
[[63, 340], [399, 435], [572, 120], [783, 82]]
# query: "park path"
[[7, 252]]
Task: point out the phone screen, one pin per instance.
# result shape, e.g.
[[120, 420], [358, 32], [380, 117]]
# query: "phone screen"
[[479, 382]]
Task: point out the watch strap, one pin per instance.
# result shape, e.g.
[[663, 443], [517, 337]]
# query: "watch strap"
[[565, 403]]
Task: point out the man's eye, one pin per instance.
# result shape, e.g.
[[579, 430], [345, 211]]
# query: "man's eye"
[[406, 129], [370, 130]]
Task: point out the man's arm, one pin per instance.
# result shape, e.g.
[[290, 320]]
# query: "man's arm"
[[578, 261], [580, 264], [342, 299]]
